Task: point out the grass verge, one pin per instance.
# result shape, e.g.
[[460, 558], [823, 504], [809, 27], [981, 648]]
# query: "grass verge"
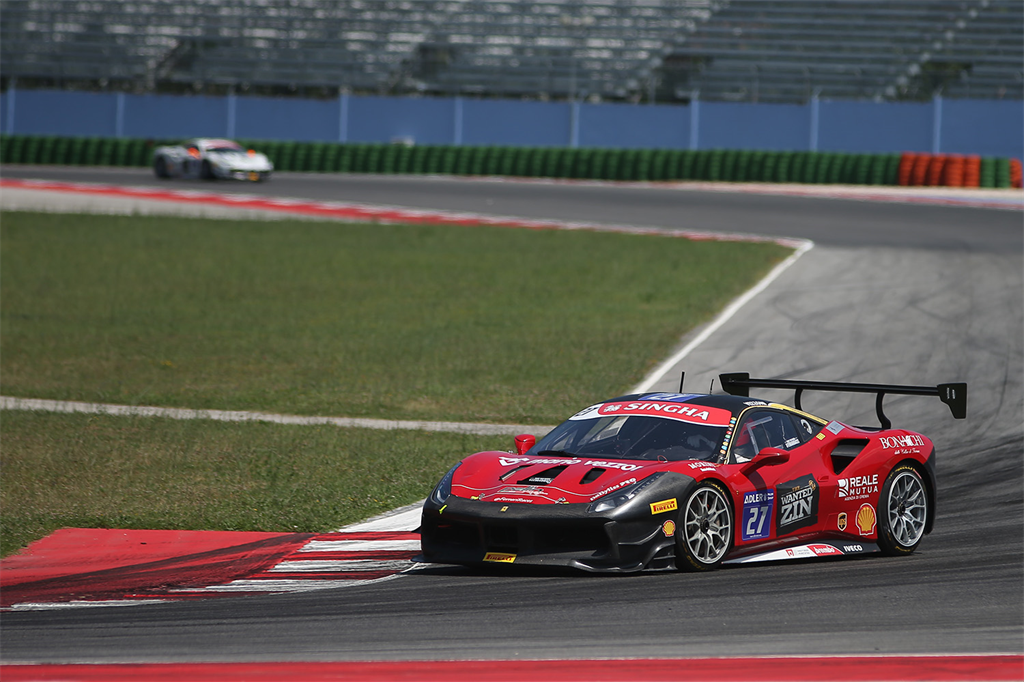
[[136, 472], [405, 322]]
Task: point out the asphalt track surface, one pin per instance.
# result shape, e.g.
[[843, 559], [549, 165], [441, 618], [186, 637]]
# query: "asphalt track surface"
[[892, 293]]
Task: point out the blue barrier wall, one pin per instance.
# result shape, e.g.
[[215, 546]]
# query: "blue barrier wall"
[[988, 127], [41, 112], [262, 118], [772, 127], [985, 127], [515, 123], [383, 119], [631, 126], [876, 127], [172, 116]]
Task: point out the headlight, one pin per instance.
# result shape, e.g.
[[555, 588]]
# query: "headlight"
[[444, 489], [620, 497]]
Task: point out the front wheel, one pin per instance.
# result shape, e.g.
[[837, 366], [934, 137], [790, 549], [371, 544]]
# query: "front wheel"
[[704, 535], [903, 511]]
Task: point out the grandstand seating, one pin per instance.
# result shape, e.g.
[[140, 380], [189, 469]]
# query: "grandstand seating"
[[668, 50], [790, 50]]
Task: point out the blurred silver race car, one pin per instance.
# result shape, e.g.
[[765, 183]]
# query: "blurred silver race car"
[[210, 159]]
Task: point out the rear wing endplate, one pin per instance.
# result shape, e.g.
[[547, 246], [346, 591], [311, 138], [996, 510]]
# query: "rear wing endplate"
[[954, 395]]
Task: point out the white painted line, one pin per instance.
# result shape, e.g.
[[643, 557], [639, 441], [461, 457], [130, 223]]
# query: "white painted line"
[[287, 585], [64, 406], [361, 545], [405, 518], [53, 606], [723, 317], [339, 566]]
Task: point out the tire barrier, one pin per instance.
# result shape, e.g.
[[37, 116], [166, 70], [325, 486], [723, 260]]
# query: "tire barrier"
[[955, 170], [723, 165]]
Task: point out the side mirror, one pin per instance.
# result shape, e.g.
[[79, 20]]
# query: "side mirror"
[[524, 442], [771, 456], [767, 457]]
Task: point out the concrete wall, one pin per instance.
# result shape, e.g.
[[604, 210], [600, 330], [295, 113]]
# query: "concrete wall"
[[987, 127]]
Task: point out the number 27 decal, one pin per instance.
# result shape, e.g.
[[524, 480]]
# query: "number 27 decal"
[[758, 508]]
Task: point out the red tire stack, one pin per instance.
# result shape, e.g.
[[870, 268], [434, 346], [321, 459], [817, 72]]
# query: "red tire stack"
[[919, 173], [1015, 174], [972, 171], [953, 174], [906, 168], [936, 166]]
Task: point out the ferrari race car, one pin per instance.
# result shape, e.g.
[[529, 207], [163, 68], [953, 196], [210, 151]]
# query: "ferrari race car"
[[663, 480], [211, 159]]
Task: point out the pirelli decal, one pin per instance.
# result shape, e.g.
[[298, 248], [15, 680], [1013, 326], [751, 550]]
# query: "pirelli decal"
[[500, 557], [664, 506]]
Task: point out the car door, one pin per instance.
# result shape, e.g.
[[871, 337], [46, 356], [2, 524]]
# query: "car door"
[[778, 498]]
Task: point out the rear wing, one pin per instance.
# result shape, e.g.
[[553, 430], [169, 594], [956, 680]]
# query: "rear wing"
[[954, 395]]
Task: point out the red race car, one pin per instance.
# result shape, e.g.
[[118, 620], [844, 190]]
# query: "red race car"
[[663, 480]]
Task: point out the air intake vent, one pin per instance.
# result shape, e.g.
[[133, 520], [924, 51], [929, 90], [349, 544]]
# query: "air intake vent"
[[845, 452], [591, 476], [512, 471], [544, 477]]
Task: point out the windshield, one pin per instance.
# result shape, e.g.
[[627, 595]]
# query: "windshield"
[[634, 437], [224, 146]]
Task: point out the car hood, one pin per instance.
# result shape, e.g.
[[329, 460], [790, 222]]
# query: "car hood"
[[524, 479]]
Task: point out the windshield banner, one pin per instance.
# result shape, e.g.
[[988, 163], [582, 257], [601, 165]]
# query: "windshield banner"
[[693, 414]]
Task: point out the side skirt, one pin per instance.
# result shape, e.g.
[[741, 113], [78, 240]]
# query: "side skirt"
[[811, 550]]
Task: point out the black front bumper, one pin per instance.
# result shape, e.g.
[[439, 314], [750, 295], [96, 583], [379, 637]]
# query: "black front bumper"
[[629, 538]]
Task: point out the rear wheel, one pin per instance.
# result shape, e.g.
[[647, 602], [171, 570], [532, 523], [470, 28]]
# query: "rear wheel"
[[705, 531], [903, 511], [160, 168]]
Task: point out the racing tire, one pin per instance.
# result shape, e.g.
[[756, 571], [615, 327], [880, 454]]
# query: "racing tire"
[[206, 171], [704, 533], [902, 511], [160, 169]]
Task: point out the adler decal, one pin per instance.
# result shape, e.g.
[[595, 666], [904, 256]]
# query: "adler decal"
[[758, 509]]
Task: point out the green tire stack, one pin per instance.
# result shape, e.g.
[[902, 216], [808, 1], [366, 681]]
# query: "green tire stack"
[[30, 153], [1002, 173], [599, 164], [644, 163], [627, 165], [15, 151], [315, 157]]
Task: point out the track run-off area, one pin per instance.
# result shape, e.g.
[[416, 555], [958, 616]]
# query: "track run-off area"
[[895, 291]]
